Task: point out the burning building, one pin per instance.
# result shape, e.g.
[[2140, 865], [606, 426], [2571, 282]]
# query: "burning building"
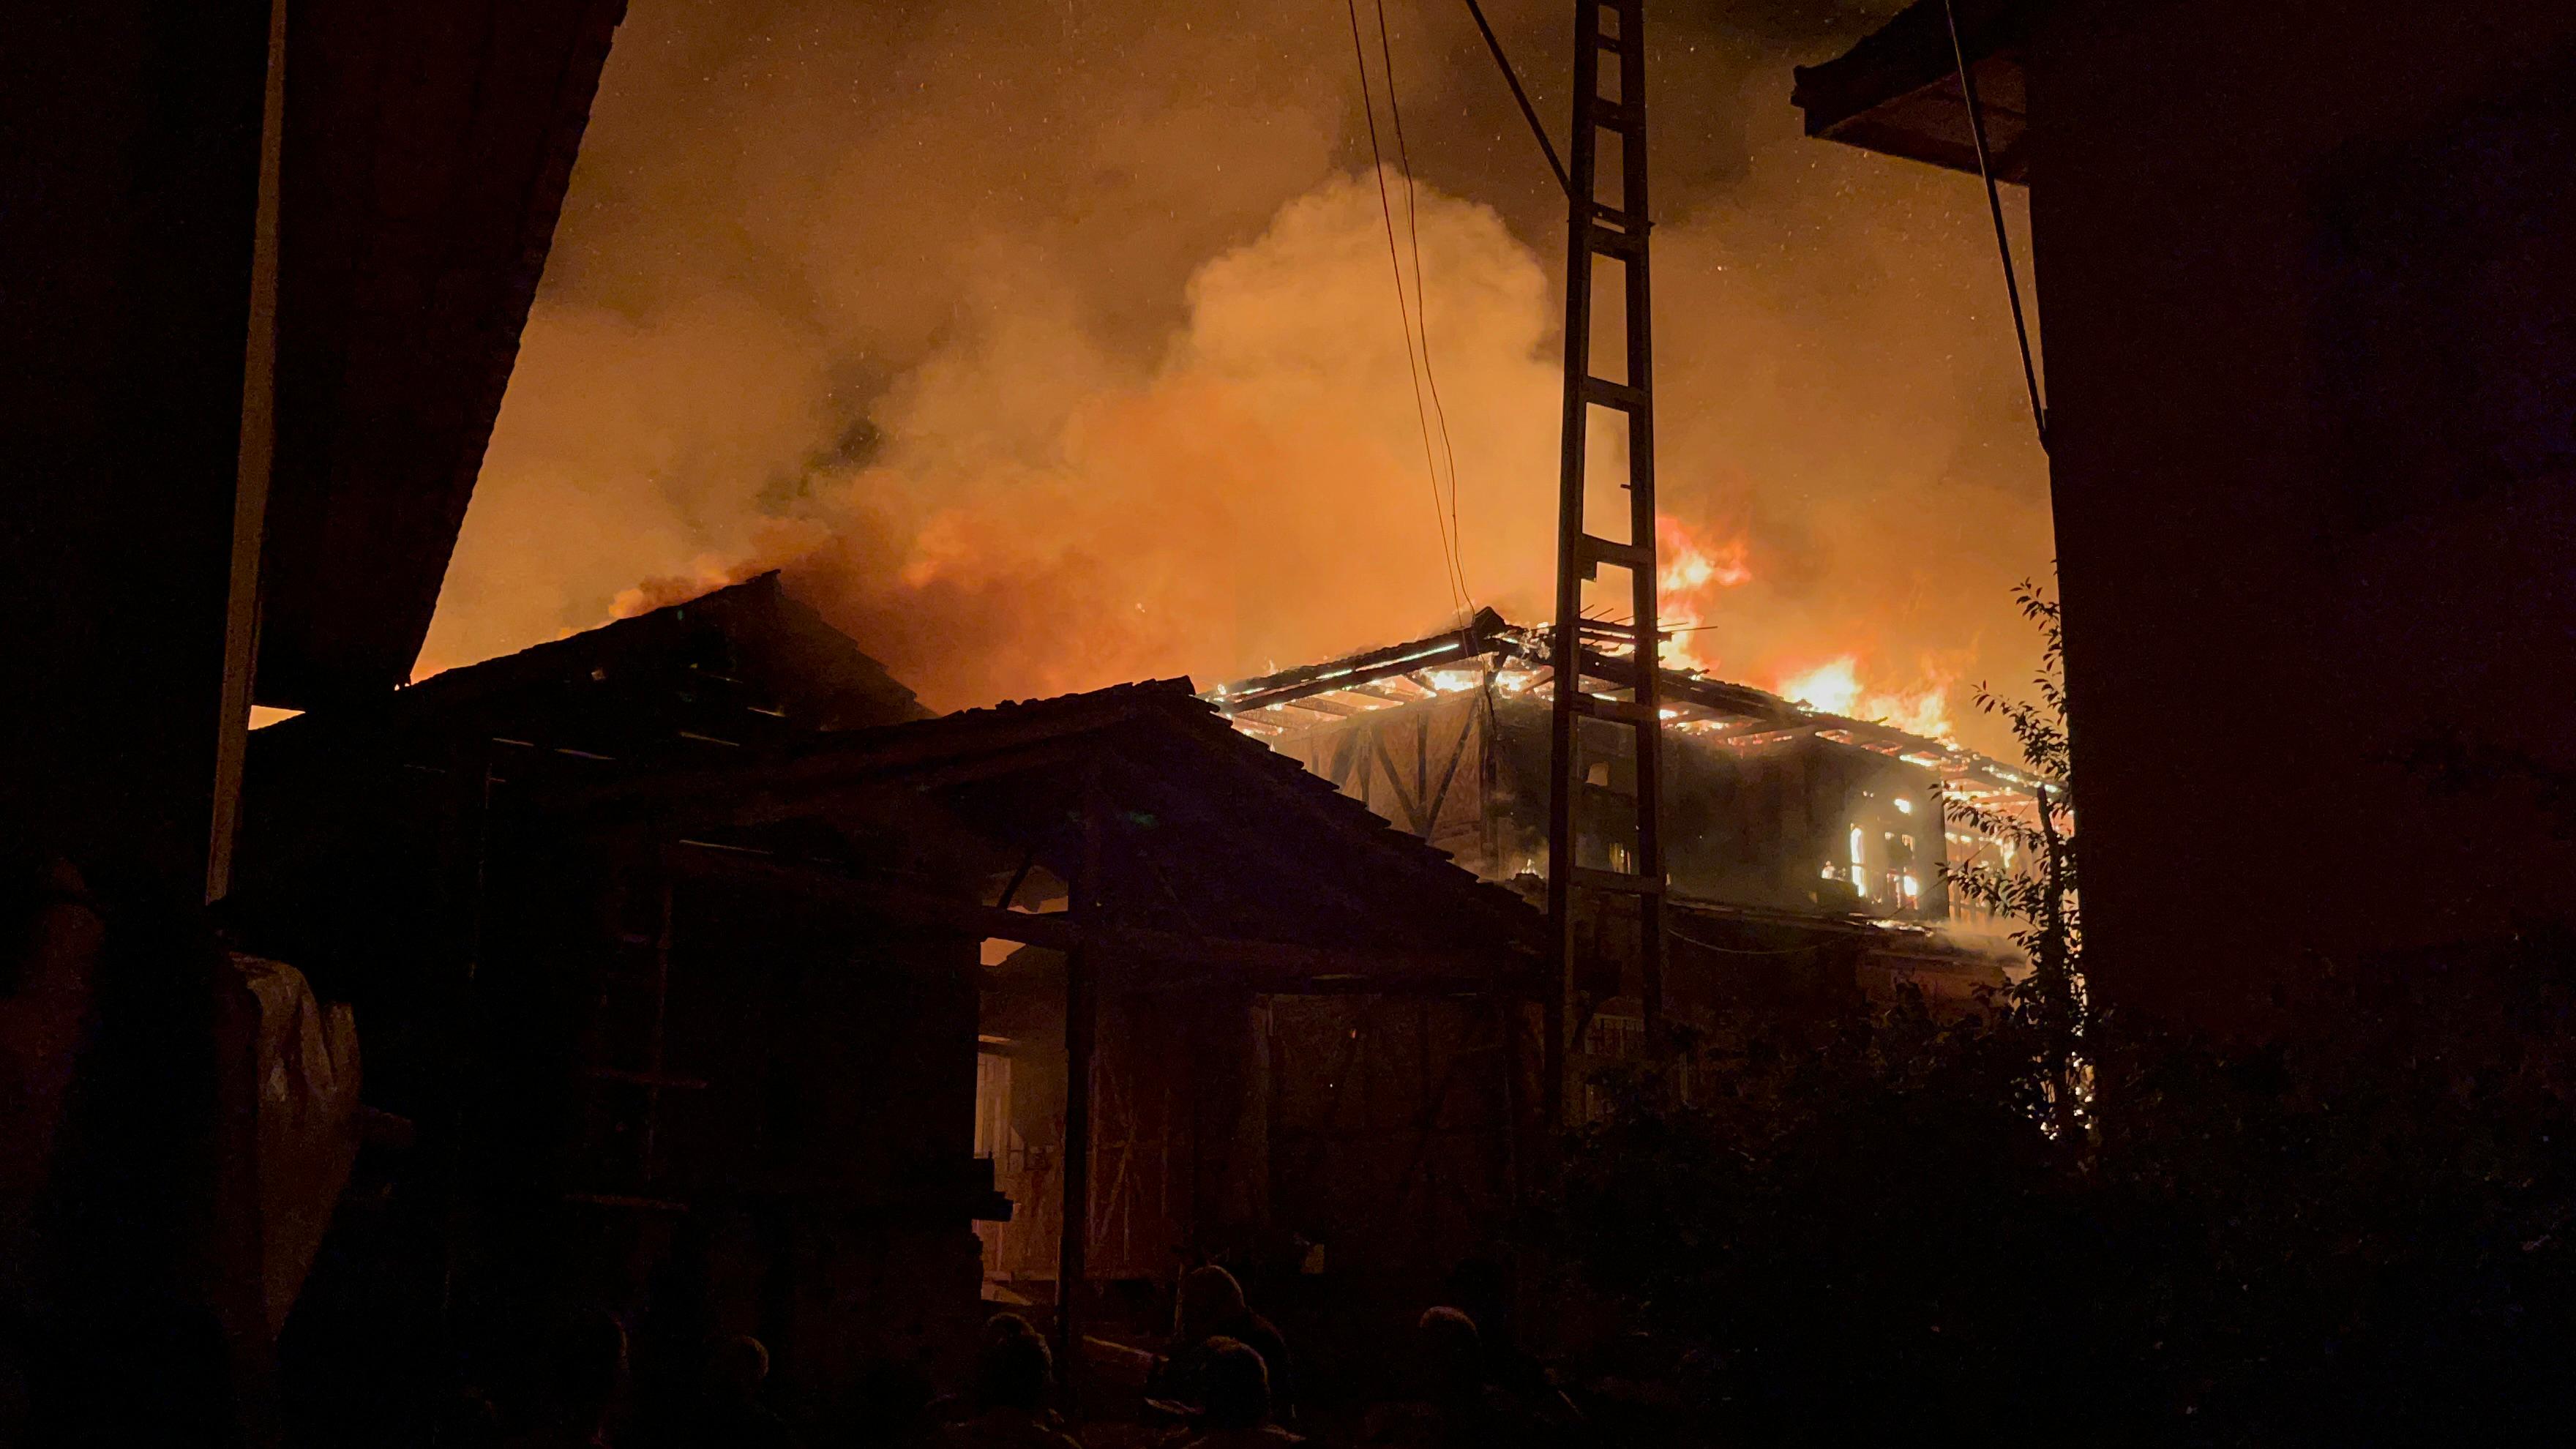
[[1790, 830]]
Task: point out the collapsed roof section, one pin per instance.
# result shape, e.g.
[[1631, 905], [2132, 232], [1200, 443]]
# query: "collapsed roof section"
[[1697, 709]]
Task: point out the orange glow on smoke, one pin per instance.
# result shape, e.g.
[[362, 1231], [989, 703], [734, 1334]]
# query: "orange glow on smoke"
[[1148, 408]]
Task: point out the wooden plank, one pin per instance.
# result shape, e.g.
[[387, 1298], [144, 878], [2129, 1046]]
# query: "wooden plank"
[[1395, 782], [1431, 653], [1422, 771], [1345, 744], [1457, 752]]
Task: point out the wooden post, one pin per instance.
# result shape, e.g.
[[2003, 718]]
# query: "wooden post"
[[250, 478], [1080, 1024]]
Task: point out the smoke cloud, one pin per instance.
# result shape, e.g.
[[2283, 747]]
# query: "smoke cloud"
[[1046, 345]]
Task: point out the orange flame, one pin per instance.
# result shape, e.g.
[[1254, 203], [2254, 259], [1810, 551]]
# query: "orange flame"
[[1690, 570], [1687, 579], [1835, 687]]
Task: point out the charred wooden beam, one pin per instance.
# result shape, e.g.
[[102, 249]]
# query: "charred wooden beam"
[[1407, 798], [1457, 752], [1296, 684]]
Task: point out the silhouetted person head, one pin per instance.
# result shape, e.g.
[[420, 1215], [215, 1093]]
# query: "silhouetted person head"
[[1210, 1298], [1013, 1370], [1450, 1351], [739, 1367], [1236, 1384], [586, 1367], [1009, 1325]]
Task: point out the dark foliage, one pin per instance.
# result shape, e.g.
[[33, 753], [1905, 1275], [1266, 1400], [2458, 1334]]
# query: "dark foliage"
[[2361, 1231], [2357, 1234], [2035, 885]]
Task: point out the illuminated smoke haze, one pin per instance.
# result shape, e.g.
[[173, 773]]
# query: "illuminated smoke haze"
[[1048, 345]]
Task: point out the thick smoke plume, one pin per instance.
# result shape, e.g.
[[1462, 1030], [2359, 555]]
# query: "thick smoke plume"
[[1046, 345]]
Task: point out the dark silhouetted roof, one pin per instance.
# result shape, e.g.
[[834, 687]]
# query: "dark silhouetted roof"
[[424, 162], [733, 668], [1240, 841]]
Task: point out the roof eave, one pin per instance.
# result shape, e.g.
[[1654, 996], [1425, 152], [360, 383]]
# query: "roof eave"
[[1896, 92]]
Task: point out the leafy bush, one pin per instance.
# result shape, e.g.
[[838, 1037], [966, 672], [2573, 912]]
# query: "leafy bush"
[[2355, 1234]]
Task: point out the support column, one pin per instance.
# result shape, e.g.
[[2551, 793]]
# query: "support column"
[[1081, 1025], [250, 486]]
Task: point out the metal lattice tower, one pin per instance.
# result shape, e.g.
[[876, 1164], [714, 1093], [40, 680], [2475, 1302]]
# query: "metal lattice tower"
[[1605, 842]]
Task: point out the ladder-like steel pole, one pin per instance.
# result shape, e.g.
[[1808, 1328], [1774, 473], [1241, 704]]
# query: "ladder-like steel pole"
[[1588, 860]]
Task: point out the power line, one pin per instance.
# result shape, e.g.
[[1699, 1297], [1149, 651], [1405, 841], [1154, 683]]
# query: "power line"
[[1528, 112], [1404, 316], [1422, 310], [1995, 204]]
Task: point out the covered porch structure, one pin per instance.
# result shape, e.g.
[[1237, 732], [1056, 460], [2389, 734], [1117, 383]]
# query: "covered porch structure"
[[1229, 1013]]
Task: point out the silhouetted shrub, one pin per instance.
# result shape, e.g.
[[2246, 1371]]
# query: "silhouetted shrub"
[[2356, 1232]]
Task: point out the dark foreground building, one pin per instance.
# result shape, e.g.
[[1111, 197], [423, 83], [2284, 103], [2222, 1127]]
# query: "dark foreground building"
[[262, 277], [2308, 278], [680, 942]]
